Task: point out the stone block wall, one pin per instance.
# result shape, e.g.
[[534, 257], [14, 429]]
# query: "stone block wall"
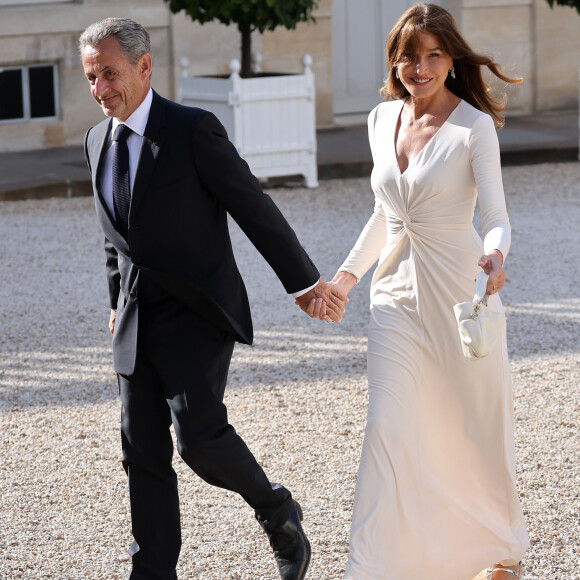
[[48, 34]]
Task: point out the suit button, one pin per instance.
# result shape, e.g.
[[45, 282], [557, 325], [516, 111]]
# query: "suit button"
[[133, 294]]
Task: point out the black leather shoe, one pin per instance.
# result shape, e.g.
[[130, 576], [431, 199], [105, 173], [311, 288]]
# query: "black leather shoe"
[[291, 546]]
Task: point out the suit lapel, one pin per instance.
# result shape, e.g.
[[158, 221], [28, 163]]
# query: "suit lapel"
[[96, 149], [152, 143]]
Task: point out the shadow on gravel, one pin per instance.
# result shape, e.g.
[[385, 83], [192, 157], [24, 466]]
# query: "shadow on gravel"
[[37, 374], [65, 376], [77, 376], [543, 329], [289, 356]]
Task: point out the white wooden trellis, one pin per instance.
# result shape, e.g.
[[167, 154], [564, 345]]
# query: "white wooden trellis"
[[270, 119]]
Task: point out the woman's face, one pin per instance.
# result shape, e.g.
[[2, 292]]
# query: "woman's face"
[[423, 74]]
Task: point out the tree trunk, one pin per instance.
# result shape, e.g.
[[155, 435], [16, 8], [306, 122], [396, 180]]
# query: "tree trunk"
[[246, 51]]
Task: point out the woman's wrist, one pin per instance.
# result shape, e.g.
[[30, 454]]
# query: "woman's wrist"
[[497, 256], [345, 280]]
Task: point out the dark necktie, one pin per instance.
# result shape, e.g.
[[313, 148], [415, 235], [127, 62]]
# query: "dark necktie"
[[121, 179]]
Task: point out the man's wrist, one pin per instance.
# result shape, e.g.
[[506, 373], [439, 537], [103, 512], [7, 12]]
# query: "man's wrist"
[[302, 292]]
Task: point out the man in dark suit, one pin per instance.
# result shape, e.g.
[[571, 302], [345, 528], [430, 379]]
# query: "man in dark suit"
[[165, 177]]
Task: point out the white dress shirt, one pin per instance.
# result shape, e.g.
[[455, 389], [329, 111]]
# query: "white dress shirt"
[[137, 123]]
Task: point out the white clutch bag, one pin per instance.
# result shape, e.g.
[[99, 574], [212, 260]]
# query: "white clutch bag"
[[479, 328]]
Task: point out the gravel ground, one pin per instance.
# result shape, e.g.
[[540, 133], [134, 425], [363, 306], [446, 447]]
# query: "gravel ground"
[[298, 396]]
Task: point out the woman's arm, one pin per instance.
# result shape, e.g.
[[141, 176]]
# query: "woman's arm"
[[367, 248], [364, 254], [496, 229]]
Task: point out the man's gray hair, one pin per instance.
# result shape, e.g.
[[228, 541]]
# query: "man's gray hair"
[[133, 39]]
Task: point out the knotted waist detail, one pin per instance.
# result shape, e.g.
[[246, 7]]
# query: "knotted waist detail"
[[415, 226]]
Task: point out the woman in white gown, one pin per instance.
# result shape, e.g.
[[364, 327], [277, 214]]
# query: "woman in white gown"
[[435, 496]]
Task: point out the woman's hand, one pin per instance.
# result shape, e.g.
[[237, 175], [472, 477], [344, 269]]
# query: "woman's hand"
[[492, 264]]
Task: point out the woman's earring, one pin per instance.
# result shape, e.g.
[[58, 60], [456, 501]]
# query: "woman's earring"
[[452, 72], [396, 73]]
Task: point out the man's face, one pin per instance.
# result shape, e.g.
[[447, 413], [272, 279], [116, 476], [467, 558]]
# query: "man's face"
[[117, 86]]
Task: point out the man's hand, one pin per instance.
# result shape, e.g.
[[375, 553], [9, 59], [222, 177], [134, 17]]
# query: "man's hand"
[[112, 318], [323, 302]]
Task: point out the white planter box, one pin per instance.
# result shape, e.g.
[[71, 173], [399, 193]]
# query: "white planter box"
[[270, 119]]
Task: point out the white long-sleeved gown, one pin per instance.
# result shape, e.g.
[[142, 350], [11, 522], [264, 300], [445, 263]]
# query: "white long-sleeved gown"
[[435, 497]]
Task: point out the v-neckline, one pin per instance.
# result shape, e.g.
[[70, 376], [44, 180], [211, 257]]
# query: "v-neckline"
[[396, 134]]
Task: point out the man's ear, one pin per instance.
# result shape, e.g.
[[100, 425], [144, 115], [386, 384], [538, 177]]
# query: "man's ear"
[[145, 65]]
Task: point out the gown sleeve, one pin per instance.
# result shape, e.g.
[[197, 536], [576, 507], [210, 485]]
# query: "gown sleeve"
[[367, 249], [373, 237], [485, 161]]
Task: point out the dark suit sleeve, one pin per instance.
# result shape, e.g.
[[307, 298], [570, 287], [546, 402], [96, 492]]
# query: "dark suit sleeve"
[[227, 176], [113, 274]]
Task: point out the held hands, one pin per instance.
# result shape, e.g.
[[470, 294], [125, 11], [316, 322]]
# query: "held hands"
[[325, 301], [492, 264]]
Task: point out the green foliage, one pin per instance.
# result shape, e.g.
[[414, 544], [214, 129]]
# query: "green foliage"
[[571, 3], [250, 15]]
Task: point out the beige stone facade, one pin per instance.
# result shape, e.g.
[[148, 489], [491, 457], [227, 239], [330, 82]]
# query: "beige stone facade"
[[556, 58], [527, 37], [533, 41], [48, 33]]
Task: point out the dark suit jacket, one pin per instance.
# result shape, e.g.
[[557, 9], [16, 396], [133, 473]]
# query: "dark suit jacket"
[[188, 178]]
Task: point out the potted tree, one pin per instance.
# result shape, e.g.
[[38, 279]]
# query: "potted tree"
[[270, 117]]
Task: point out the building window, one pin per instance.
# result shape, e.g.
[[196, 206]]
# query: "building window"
[[28, 92], [25, 2]]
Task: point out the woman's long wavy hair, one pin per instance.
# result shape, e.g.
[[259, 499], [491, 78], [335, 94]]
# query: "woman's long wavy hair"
[[468, 83]]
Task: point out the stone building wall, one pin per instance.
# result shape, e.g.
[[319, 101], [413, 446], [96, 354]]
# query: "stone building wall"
[[48, 34], [527, 37], [504, 30], [533, 41], [556, 57]]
